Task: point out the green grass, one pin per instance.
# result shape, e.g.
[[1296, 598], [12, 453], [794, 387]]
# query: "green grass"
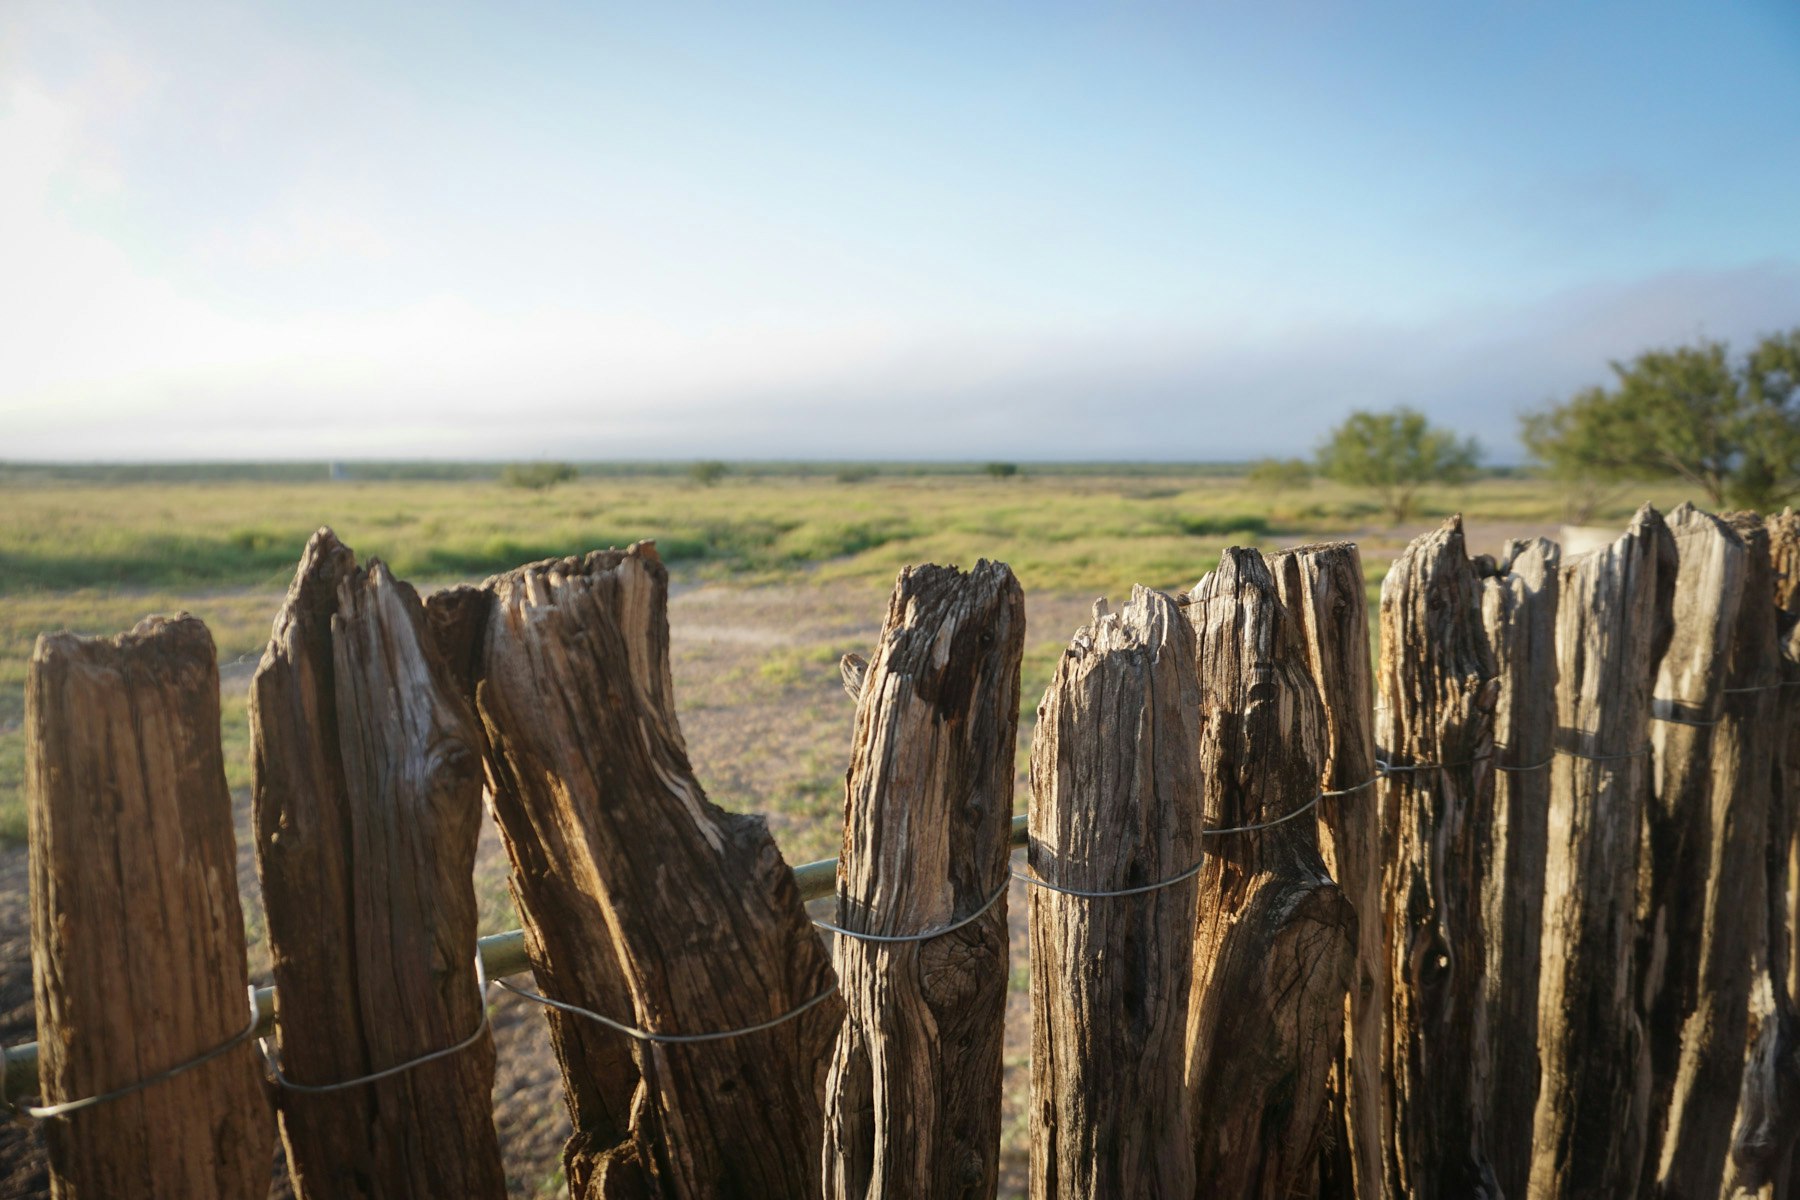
[[92, 550]]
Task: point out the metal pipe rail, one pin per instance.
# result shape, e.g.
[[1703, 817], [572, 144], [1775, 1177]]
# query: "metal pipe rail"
[[501, 954]]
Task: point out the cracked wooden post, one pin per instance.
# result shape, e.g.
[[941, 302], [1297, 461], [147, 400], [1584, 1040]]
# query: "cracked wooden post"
[[641, 900], [1767, 1122], [1518, 609], [1439, 685], [137, 941], [913, 1100], [1115, 804], [367, 787], [1696, 776], [1322, 588], [1612, 628], [1275, 943]]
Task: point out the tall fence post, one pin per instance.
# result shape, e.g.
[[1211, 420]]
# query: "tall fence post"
[[137, 936], [1322, 589], [1439, 686], [1708, 839], [913, 1098], [1767, 1122], [367, 788], [1518, 609], [1115, 806], [1275, 941], [630, 881], [1612, 628]]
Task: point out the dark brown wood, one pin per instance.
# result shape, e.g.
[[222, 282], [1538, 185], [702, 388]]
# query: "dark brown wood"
[[1518, 609], [1115, 804], [630, 881], [1322, 588], [1275, 940], [137, 935], [367, 788], [1439, 687], [1613, 626], [913, 1099], [1707, 833]]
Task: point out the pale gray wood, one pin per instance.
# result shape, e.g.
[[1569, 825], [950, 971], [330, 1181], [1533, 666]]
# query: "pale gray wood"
[[137, 938], [1115, 805], [1322, 588], [1694, 778], [1613, 626], [1439, 686], [1518, 610], [1275, 941], [913, 1096]]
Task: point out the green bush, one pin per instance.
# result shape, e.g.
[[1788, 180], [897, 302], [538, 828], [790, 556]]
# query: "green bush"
[[537, 476]]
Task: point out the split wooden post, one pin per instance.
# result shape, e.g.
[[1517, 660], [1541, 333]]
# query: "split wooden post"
[[1695, 778], [1322, 588], [913, 1098], [1767, 1124], [137, 936], [642, 901], [1518, 609], [1275, 940], [1115, 805], [1439, 685], [367, 788], [1612, 628]]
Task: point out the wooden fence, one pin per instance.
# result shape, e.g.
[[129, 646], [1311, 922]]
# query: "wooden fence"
[[1509, 912]]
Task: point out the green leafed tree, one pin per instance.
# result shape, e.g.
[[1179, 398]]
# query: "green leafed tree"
[[1394, 454], [537, 476], [1730, 428]]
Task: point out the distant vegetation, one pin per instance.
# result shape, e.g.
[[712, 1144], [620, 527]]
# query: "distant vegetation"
[[1002, 470], [1395, 454], [1730, 429], [1278, 475], [707, 473], [537, 476]]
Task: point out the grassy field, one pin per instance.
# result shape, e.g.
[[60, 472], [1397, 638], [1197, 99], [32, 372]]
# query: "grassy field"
[[94, 557]]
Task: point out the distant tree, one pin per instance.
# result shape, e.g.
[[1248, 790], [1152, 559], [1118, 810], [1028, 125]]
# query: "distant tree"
[[1394, 454], [708, 472], [1276, 475], [537, 476], [1731, 429], [857, 474], [1002, 470]]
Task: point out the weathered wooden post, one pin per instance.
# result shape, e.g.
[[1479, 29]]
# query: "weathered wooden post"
[[913, 1099], [137, 937], [1439, 685], [1612, 628], [1322, 589], [1275, 938], [1711, 777], [1115, 843], [644, 904], [368, 805], [1518, 609]]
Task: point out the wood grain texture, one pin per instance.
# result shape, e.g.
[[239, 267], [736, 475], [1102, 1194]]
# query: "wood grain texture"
[[1115, 804], [1322, 588], [367, 787], [1613, 626], [137, 935], [1518, 610], [913, 1099], [629, 880], [1439, 687], [1761, 1163], [1707, 833], [1275, 941]]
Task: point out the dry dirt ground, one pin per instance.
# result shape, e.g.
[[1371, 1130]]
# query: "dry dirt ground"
[[768, 728]]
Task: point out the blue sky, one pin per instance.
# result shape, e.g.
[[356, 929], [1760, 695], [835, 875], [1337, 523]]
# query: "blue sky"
[[959, 230]]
